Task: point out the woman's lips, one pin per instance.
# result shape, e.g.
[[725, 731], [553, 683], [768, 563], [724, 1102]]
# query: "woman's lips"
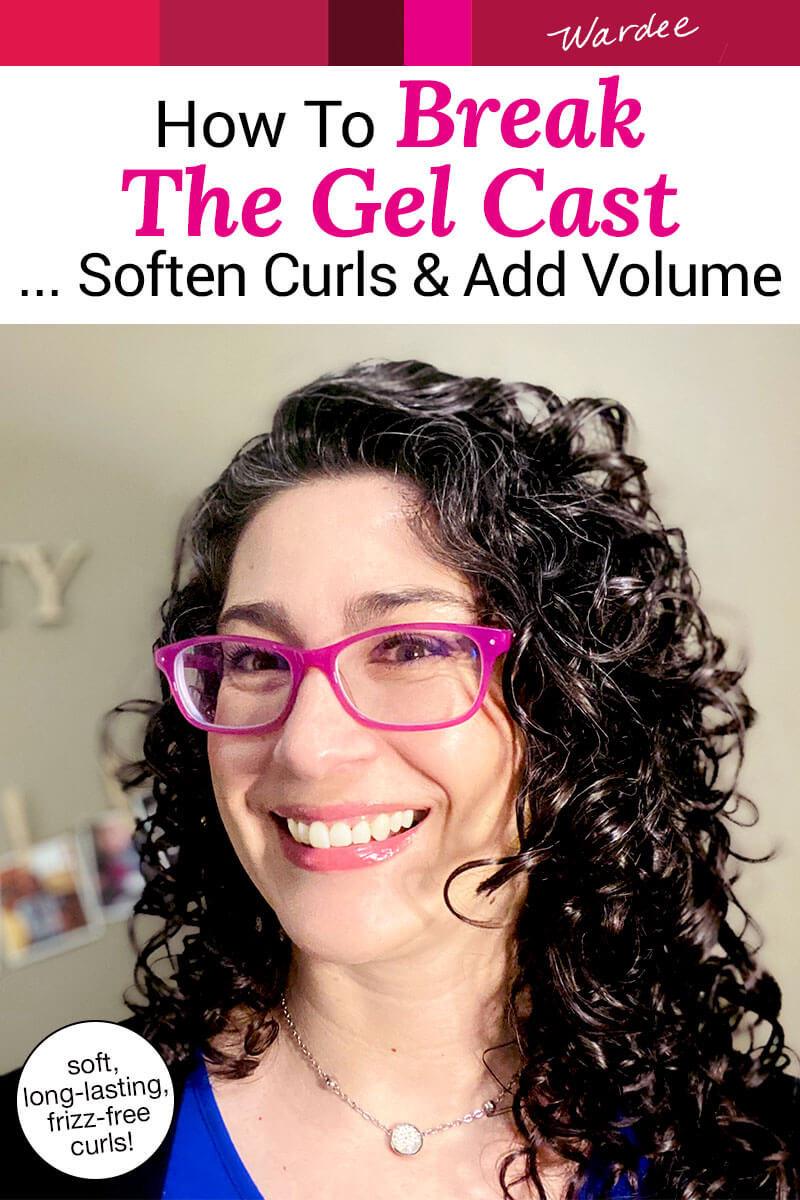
[[343, 858]]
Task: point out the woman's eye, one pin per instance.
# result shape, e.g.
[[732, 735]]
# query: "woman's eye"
[[248, 659], [410, 648]]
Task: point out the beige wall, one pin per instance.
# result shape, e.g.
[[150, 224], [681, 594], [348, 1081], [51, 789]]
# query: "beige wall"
[[106, 433]]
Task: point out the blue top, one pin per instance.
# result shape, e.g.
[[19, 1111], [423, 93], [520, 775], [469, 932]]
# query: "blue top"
[[204, 1164]]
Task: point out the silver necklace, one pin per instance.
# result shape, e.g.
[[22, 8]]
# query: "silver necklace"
[[404, 1138]]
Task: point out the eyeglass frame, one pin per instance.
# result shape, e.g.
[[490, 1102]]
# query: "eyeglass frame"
[[491, 644]]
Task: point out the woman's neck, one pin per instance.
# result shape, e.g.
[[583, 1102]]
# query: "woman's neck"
[[410, 1035]]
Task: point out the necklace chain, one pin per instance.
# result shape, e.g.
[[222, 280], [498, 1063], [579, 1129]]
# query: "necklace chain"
[[488, 1109]]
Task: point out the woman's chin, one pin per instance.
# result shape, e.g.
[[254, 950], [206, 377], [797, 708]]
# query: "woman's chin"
[[349, 924], [346, 945]]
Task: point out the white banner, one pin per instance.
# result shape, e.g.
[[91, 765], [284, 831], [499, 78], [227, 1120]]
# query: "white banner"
[[315, 195]]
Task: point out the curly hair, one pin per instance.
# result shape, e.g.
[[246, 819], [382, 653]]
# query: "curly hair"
[[636, 1004]]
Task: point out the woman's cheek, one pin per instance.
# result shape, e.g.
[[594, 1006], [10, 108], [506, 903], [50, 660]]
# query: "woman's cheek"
[[239, 770], [237, 784]]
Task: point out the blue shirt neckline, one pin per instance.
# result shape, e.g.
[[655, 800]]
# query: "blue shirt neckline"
[[204, 1164]]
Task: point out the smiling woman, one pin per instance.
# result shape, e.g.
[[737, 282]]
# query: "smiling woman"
[[440, 782], [405, 728]]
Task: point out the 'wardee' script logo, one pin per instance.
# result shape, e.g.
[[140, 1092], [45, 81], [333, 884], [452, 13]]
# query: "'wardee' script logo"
[[604, 35]]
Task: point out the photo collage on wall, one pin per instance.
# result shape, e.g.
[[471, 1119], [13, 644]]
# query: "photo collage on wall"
[[61, 892]]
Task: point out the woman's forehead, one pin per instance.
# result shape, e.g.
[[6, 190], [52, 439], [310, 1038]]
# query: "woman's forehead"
[[342, 543]]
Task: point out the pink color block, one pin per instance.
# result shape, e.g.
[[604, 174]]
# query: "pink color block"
[[438, 33], [80, 33]]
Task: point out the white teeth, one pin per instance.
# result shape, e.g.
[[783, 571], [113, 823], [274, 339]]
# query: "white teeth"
[[361, 833], [318, 836], [381, 827], [298, 830], [339, 833]]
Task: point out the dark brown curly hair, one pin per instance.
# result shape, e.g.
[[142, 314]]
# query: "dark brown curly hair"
[[646, 1029]]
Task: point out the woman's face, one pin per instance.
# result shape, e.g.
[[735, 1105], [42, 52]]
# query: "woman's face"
[[324, 560]]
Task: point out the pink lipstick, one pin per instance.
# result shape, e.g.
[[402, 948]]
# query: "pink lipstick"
[[343, 858]]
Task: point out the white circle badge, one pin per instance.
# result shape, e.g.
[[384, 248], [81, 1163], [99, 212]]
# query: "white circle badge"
[[95, 1100]]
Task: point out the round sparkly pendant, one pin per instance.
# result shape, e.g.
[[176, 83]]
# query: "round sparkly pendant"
[[405, 1139]]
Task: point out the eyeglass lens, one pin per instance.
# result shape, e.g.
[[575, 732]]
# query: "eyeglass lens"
[[403, 677]]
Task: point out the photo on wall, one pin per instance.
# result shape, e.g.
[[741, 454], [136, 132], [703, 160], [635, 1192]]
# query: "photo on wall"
[[48, 901], [114, 862]]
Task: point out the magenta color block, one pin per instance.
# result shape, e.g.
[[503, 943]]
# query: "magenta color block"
[[51, 33], [438, 33]]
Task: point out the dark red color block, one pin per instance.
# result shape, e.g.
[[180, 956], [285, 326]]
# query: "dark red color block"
[[515, 32], [244, 33], [86, 33], [365, 33]]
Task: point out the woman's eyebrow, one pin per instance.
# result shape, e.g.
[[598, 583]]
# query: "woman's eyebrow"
[[266, 614], [373, 606], [274, 618]]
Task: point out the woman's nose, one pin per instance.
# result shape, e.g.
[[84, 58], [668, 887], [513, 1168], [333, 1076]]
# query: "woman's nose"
[[319, 736]]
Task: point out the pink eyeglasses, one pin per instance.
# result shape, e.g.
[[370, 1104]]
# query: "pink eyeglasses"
[[416, 677]]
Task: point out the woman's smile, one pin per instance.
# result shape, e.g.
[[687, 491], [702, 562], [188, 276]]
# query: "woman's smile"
[[343, 844]]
